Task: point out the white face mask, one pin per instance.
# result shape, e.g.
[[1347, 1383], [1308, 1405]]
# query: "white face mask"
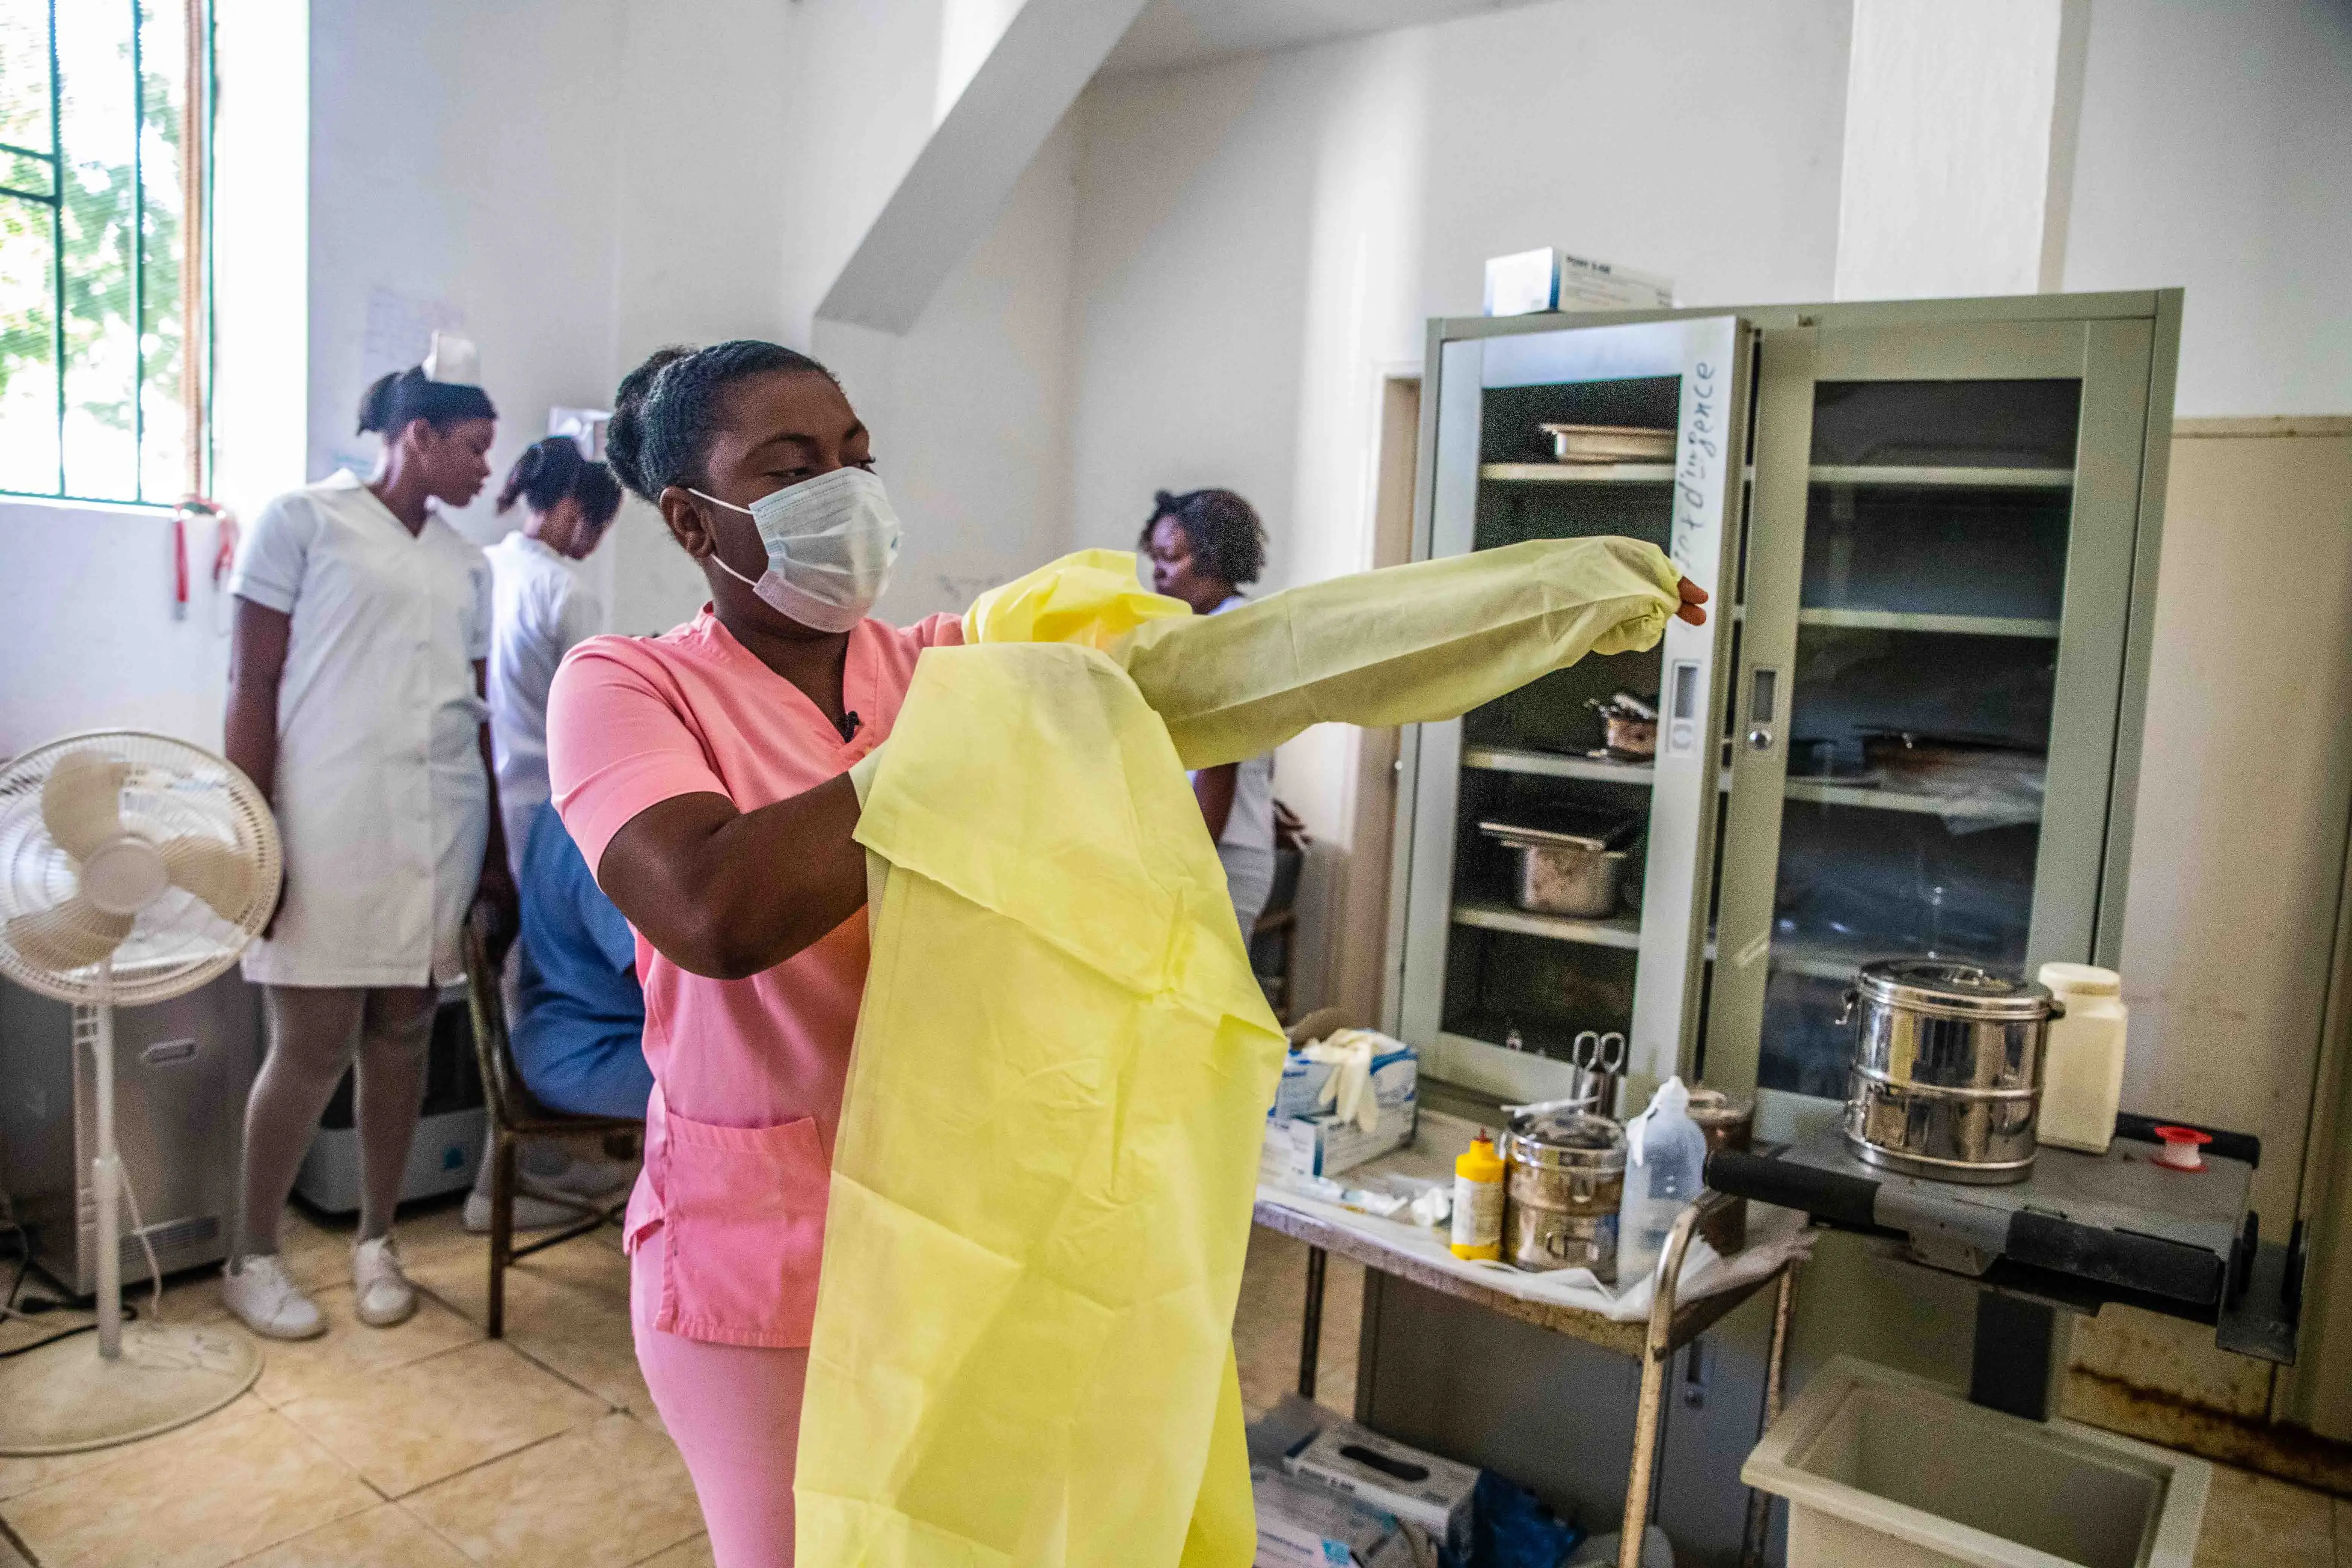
[[829, 541]]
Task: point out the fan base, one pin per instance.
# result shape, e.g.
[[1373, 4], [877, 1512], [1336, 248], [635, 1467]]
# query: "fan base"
[[64, 1397]]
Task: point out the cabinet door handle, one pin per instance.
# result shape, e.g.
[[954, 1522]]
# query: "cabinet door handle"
[[1763, 697]]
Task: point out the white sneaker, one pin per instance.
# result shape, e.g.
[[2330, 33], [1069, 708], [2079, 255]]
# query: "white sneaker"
[[582, 1177], [381, 1294], [529, 1213], [266, 1301]]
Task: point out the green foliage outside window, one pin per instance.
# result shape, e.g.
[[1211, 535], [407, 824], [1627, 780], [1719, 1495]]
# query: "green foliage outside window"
[[93, 193]]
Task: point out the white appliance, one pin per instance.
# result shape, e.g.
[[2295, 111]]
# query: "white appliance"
[[451, 1125], [183, 1069]]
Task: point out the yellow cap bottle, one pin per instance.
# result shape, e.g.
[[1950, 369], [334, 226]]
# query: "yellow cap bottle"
[[1479, 1201]]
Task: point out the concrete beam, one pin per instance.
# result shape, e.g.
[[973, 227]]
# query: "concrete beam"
[[950, 197], [1960, 132]]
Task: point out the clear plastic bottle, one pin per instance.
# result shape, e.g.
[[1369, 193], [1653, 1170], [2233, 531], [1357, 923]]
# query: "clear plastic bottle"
[[1665, 1165]]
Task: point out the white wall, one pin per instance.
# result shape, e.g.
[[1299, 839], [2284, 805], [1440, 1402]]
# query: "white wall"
[[90, 641], [969, 408], [861, 90], [1259, 239], [1256, 237], [464, 155], [261, 199], [1952, 116], [745, 189], [697, 219], [2216, 153]]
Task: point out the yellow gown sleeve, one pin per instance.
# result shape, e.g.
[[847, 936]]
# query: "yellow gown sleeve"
[[1403, 644], [1088, 597]]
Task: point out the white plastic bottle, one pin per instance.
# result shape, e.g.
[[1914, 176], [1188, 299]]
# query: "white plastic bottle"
[[2083, 1059], [1665, 1165]]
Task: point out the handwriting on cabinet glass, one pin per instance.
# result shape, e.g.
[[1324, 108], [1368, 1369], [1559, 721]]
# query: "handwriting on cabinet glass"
[[1697, 474]]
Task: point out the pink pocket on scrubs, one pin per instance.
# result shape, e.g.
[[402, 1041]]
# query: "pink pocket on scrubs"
[[744, 1210]]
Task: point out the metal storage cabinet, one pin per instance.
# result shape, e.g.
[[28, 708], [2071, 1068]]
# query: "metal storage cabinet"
[[1492, 993], [1938, 520]]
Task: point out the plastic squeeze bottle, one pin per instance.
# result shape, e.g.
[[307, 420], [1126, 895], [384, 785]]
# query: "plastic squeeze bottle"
[[1479, 1201], [2083, 1058], [1666, 1167]]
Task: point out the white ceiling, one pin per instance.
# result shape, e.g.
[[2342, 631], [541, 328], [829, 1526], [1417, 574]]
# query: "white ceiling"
[[1172, 34]]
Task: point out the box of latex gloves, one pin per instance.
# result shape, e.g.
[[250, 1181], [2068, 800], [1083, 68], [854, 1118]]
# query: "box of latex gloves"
[[1422, 1490], [1341, 1101], [1302, 1525]]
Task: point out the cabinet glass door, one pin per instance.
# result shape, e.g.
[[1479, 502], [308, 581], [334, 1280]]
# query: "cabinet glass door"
[[1498, 976], [1938, 577]]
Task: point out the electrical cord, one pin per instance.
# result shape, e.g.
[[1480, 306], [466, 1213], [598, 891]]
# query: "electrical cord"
[[37, 1307], [32, 1313], [23, 1264], [139, 1228]]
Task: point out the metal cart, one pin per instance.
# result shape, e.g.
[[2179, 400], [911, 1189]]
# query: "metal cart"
[[1672, 1324]]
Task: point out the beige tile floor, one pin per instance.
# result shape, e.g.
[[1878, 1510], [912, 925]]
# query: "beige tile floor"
[[429, 1446], [425, 1444]]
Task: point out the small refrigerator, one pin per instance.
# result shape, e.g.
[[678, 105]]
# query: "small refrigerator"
[[183, 1068]]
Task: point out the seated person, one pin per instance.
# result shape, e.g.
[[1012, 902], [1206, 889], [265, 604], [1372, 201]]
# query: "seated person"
[[580, 1019]]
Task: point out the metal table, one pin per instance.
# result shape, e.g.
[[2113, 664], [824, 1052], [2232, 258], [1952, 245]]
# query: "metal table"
[[1672, 1324]]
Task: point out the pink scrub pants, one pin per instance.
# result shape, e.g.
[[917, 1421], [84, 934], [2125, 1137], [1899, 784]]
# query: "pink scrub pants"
[[734, 1412]]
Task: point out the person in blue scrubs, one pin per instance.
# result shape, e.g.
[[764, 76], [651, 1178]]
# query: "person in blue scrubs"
[[580, 1019]]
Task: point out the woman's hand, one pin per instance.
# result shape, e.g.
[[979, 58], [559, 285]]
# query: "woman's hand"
[[1692, 607]]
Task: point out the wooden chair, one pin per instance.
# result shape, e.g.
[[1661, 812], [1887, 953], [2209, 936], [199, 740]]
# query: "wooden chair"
[[515, 1113]]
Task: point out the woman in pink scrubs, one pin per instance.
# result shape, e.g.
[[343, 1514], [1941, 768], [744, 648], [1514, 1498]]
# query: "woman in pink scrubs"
[[704, 774]]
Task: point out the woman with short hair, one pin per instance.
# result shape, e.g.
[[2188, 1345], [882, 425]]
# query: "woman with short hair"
[[1204, 547]]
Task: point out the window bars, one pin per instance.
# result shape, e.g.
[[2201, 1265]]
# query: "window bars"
[[105, 119]]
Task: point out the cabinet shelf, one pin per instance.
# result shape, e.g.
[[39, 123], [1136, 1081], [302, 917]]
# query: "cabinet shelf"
[[1909, 621], [1870, 798], [1816, 961], [1820, 961], [1622, 931], [1944, 478], [1577, 473], [1557, 765]]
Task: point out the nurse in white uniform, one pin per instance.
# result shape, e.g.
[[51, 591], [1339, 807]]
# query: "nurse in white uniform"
[[541, 609], [355, 703], [1204, 546]]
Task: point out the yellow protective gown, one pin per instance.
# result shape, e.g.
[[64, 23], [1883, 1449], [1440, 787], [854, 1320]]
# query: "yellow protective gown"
[[1049, 1141]]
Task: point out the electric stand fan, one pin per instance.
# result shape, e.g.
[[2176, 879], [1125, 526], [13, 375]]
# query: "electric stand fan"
[[134, 867]]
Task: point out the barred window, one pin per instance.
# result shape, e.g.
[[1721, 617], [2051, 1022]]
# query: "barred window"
[[104, 122]]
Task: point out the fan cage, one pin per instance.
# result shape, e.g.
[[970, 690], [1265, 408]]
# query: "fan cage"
[[178, 942]]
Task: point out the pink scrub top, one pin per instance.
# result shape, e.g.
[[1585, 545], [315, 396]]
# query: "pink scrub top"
[[747, 1073]]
